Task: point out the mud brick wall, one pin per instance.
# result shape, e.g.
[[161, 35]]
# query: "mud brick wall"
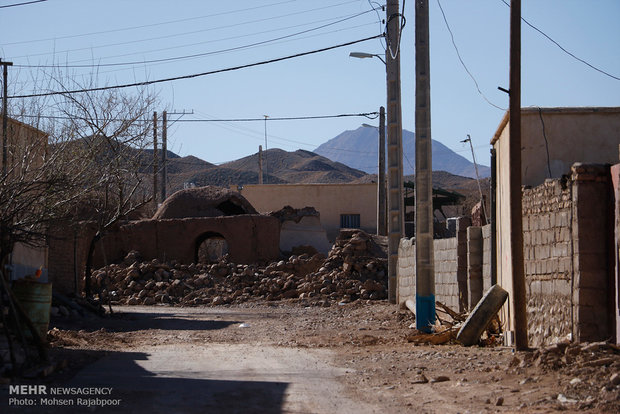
[[547, 245], [567, 234], [68, 249]]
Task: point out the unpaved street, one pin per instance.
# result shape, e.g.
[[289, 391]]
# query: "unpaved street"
[[292, 358]]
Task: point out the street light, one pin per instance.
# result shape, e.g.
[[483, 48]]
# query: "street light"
[[395, 219], [362, 55]]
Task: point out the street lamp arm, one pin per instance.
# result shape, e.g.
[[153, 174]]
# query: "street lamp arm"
[[362, 55]]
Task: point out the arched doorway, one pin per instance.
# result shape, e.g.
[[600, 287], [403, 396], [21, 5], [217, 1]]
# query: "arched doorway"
[[210, 247]]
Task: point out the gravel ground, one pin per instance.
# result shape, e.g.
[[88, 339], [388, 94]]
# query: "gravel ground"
[[366, 342]]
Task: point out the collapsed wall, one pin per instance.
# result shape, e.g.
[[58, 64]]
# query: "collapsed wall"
[[354, 269]]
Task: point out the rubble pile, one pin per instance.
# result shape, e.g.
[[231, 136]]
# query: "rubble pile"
[[573, 356], [593, 368], [351, 271]]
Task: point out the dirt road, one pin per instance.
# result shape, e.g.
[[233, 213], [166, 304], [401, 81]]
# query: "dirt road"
[[291, 358]]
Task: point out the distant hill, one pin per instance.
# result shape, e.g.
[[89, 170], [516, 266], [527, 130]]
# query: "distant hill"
[[279, 167], [297, 167], [359, 149]]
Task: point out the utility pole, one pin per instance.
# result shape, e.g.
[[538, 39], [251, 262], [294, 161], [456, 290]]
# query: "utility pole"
[[266, 116], [395, 144], [260, 165], [155, 159], [164, 150], [5, 114], [425, 261], [473, 157], [381, 216], [164, 155], [516, 209]]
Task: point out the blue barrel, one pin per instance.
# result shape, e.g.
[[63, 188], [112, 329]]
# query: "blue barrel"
[[36, 300]]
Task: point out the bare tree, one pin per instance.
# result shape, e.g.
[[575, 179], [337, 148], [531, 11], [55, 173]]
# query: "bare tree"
[[98, 141], [110, 131]]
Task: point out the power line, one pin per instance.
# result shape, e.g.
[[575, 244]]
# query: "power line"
[[563, 49], [201, 54], [463, 63], [22, 4], [146, 25], [274, 43], [227, 26], [196, 75], [369, 115]]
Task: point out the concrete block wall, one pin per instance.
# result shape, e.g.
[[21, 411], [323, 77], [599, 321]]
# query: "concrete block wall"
[[446, 286], [450, 268], [486, 258], [405, 272], [547, 246], [569, 260], [462, 224], [474, 265]]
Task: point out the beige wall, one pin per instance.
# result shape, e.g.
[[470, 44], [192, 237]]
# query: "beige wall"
[[590, 135], [330, 200], [587, 135]]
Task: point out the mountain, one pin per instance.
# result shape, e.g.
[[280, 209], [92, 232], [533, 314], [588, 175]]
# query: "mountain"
[[279, 167], [297, 167], [359, 149]]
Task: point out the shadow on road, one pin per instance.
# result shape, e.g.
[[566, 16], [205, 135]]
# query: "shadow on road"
[[134, 389], [138, 321]]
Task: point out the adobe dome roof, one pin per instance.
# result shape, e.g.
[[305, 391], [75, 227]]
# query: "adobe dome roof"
[[209, 201]]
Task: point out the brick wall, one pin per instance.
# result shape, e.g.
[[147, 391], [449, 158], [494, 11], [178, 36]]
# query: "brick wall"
[[567, 234], [486, 258], [449, 264], [569, 260], [547, 244], [68, 249], [446, 285]]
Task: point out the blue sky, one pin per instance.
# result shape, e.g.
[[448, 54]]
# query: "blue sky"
[[96, 32]]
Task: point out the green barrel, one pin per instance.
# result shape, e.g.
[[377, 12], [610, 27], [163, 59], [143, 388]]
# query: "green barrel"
[[36, 300]]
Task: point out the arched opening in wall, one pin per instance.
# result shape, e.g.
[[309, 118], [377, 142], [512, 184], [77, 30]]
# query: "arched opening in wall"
[[210, 248]]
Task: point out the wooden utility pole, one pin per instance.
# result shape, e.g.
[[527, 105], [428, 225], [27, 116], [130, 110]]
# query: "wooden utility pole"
[[5, 114], [260, 165], [395, 144], [425, 261], [164, 155], [381, 216], [516, 210], [155, 159]]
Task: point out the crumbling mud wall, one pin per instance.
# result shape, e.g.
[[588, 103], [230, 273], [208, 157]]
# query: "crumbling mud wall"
[[181, 225], [250, 239]]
